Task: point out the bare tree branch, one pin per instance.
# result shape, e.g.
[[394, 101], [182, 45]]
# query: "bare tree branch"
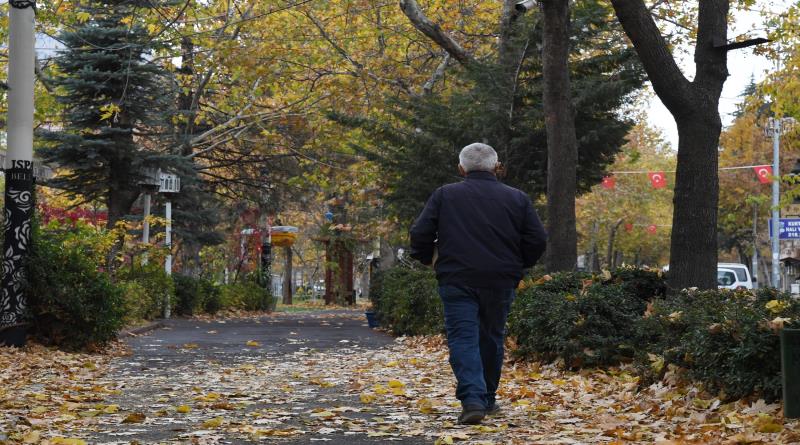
[[427, 89], [668, 81], [435, 32]]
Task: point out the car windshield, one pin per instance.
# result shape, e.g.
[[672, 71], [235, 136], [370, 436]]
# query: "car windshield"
[[741, 275], [725, 277]]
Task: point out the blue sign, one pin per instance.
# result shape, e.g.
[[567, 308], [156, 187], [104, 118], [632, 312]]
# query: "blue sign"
[[790, 228]]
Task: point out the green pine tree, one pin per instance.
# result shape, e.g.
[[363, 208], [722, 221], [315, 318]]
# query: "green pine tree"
[[114, 99], [418, 147]]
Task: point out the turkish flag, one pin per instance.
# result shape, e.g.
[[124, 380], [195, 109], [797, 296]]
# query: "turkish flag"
[[764, 173], [652, 229], [658, 180], [609, 182]]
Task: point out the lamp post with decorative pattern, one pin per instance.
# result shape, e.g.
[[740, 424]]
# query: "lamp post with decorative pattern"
[[18, 171]]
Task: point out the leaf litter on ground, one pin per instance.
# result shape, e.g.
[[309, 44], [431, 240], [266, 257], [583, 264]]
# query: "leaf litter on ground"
[[403, 390]]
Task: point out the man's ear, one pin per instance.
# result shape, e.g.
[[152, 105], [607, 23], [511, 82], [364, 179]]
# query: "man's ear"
[[461, 170], [499, 170]]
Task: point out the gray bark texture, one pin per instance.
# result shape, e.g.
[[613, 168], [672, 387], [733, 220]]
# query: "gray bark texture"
[[562, 145], [695, 107]]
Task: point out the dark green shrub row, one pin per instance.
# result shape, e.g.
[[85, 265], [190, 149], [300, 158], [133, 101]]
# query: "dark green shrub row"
[[406, 301], [71, 302], [246, 295], [728, 340], [196, 295], [583, 319], [76, 304], [146, 288]]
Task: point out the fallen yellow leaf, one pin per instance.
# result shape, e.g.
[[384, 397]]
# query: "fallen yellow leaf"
[[183, 409], [32, 437], [134, 418], [66, 441], [216, 422]]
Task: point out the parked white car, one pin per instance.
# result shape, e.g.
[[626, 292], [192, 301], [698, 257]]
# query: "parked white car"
[[733, 276]]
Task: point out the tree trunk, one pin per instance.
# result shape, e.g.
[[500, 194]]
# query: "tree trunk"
[[694, 222], [695, 107], [287, 277], [611, 237], [562, 146], [190, 250], [119, 199]]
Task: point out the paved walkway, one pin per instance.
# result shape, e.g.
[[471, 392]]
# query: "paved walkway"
[[246, 381]]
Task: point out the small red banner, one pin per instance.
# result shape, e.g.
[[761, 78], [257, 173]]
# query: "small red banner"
[[764, 173]]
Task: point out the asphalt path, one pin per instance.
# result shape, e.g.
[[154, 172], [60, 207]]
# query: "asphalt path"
[[170, 364]]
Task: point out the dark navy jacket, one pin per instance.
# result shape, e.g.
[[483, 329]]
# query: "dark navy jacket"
[[486, 233]]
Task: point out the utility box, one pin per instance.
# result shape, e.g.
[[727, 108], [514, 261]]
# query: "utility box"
[[790, 372]]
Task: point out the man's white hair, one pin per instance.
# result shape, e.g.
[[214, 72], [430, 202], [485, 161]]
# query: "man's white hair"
[[477, 157]]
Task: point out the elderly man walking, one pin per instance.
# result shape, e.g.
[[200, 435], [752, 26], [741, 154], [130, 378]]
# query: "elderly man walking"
[[486, 233]]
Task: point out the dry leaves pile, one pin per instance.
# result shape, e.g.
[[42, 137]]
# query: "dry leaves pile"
[[403, 392]]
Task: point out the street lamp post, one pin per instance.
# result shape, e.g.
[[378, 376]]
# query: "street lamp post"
[[170, 184], [774, 128], [18, 170], [150, 183]]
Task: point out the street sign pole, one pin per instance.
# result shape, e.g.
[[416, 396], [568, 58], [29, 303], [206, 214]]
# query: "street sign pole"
[[18, 171], [168, 245], [776, 190]]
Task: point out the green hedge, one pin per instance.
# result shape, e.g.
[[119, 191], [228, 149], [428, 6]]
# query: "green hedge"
[[725, 340], [728, 340], [246, 294], [582, 319], [72, 303], [196, 295], [146, 288], [406, 301]]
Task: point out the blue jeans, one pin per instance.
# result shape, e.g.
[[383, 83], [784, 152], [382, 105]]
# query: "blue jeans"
[[475, 321]]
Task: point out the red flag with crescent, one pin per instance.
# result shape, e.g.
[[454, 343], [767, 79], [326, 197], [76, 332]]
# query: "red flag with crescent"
[[764, 173], [652, 229], [609, 182], [658, 180]]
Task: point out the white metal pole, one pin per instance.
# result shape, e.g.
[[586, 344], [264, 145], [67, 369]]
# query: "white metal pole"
[[21, 76], [146, 226], [18, 169], [776, 190], [168, 262]]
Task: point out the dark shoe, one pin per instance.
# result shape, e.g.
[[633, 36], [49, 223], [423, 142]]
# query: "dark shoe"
[[471, 415], [493, 409]]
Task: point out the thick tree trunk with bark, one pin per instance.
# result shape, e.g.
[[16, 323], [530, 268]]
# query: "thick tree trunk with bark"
[[187, 106], [694, 221], [612, 236], [562, 145], [695, 107], [122, 193]]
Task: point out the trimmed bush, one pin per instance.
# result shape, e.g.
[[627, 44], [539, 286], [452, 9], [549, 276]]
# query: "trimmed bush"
[[146, 288], [246, 295], [582, 319], [406, 300], [727, 340], [72, 303]]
